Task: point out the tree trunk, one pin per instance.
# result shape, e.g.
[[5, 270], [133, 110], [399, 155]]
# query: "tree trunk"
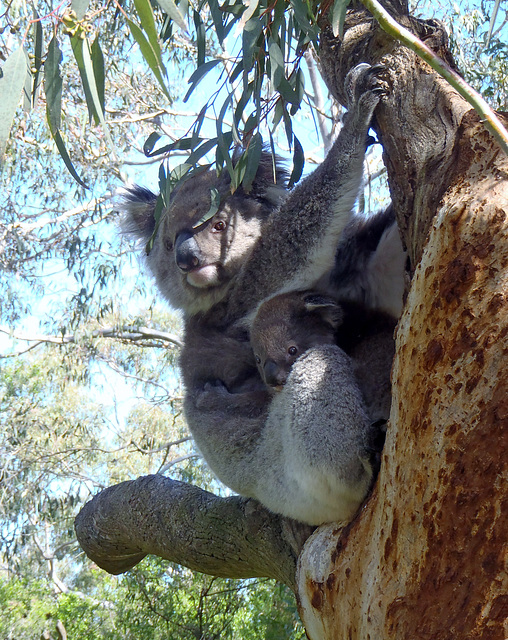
[[425, 556]]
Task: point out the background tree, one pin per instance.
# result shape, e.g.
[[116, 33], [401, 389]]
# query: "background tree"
[[62, 231]]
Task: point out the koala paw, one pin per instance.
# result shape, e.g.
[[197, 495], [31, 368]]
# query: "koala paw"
[[364, 90], [211, 396]]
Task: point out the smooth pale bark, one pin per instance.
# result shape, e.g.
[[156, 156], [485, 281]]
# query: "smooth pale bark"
[[426, 556]]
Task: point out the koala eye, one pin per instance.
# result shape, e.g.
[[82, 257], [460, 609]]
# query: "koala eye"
[[219, 226], [258, 360], [292, 351], [168, 244]]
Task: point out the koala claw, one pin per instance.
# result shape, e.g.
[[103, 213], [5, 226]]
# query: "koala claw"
[[363, 87]]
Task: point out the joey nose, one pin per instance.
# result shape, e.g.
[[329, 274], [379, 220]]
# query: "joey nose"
[[274, 375], [187, 253]]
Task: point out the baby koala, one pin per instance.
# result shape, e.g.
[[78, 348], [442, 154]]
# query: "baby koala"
[[288, 325]]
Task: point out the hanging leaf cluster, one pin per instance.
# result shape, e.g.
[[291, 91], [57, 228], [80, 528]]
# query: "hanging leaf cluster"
[[258, 87]]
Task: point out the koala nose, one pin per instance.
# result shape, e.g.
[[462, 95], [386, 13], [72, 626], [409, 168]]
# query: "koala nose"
[[187, 253], [274, 375]]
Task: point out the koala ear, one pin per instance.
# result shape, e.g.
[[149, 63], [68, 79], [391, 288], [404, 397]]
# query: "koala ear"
[[136, 205], [328, 308]]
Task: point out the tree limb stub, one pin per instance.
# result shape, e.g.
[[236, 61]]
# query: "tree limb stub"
[[227, 537]]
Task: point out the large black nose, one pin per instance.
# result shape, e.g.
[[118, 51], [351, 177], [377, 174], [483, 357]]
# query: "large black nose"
[[187, 253], [274, 375]]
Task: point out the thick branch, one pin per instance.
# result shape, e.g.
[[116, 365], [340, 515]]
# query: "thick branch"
[[228, 537]]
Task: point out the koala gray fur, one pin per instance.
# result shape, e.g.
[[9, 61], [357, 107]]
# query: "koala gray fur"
[[257, 245], [288, 325]]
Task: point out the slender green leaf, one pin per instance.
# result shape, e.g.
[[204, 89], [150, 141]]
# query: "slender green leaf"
[[301, 14], [200, 38], [184, 144], [169, 7], [217, 17], [198, 123], [12, 81], [338, 16], [299, 91], [145, 13], [77, 49], [89, 71], [150, 143], [53, 84], [298, 162], [37, 61], [80, 7], [148, 54], [250, 46], [198, 75], [98, 71], [276, 64], [252, 5], [214, 207], [202, 150], [254, 151], [65, 156], [287, 91]]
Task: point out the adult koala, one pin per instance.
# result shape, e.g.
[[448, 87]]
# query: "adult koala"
[[258, 245]]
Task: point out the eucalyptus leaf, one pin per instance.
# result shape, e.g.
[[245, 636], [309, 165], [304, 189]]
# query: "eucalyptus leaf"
[[15, 71], [149, 55], [214, 207], [79, 7], [276, 64], [65, 156], [298, 162], [254, 151], [198, 75], [252, 5], [53, 84], [145, 13], [338, 16], [250, 36], [37, 62], [200, 38], [301, 14], [169, 7], [98, 71], [92, 84]]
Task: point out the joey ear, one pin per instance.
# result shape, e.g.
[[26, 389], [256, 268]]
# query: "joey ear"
[[137, 208], [328, 308]]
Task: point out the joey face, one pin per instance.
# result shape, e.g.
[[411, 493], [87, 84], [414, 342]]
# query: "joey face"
[[283, 329]]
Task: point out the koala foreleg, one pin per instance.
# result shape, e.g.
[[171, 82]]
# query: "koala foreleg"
[[299, 242]]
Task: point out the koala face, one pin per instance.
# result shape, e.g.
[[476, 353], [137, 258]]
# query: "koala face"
[[194, 262], [285, 327]]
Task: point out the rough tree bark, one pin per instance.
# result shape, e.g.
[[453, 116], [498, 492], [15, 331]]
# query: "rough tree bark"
[[425, 558]]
